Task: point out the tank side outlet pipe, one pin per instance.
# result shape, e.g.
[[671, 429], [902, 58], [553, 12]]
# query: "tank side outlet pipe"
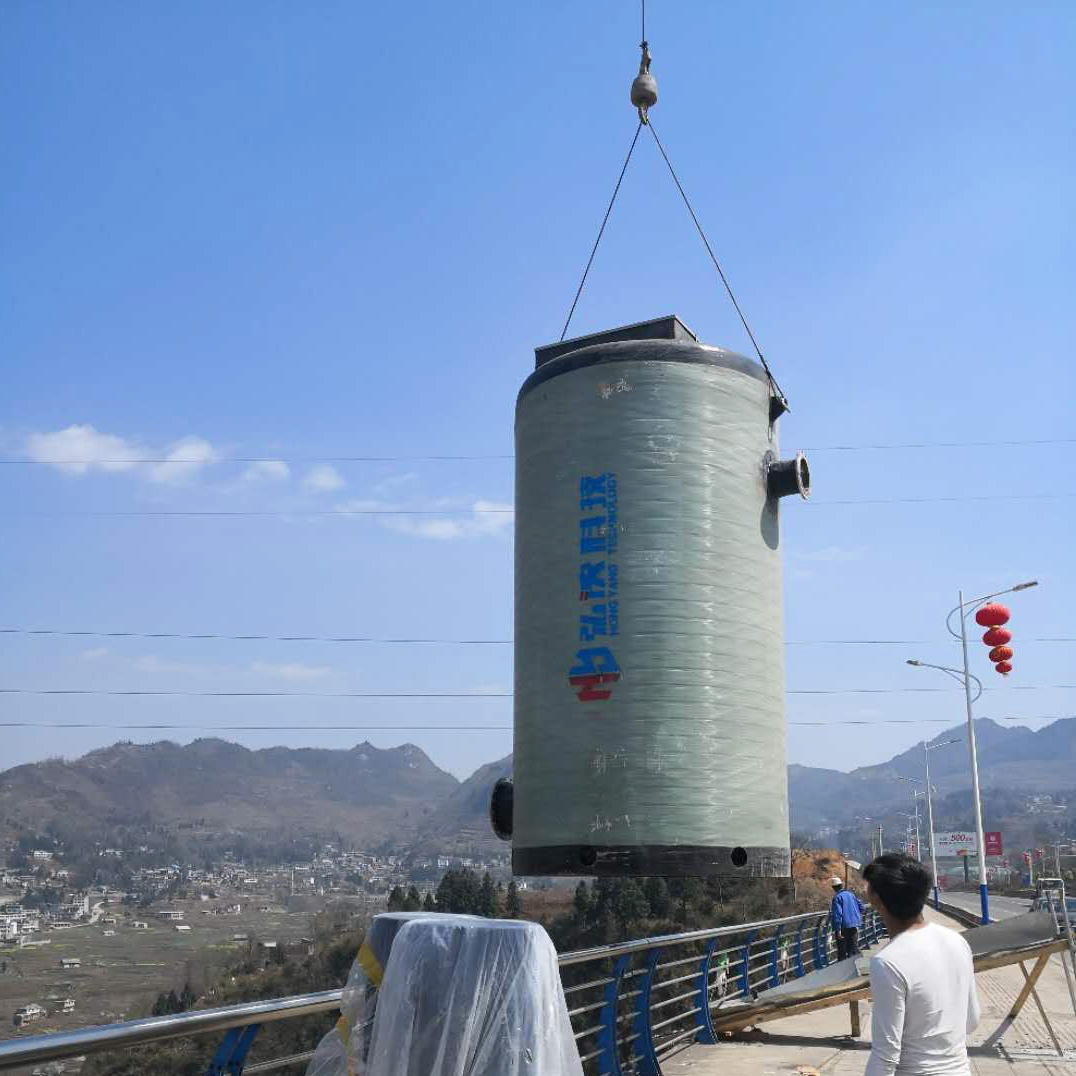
[[785, 477]]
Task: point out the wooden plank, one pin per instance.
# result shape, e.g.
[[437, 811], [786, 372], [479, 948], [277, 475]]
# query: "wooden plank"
[[1042, 1011], [1029, 984], [854, 990], [853, 1009]]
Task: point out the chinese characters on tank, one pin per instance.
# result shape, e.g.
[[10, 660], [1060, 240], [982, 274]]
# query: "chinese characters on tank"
[[599, 588]]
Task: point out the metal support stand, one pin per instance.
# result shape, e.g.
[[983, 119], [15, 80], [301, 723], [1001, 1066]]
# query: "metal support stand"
[[800, 969], [608, 1061], [1029, 984], [821, 956], [1069, 939], [703, 1021], [775, 974], [745, 965], [231, 1055], [646, 1059]]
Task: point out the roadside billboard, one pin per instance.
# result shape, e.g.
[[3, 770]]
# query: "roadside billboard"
[[965, 844], [955, 844]]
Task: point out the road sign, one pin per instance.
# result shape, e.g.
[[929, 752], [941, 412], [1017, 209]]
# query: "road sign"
[[993, 843], [955, 844]]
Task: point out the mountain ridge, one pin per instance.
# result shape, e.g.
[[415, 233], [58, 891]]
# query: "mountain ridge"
[[398, 796]]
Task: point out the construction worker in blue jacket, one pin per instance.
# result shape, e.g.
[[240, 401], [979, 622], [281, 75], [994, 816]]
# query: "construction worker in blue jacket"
[[846, 915]]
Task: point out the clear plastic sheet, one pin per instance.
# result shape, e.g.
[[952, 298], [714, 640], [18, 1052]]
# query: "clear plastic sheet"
[[472, 997], [342, 1051]]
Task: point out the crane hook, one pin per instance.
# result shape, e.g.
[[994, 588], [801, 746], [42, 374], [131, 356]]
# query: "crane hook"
[[644, 89]]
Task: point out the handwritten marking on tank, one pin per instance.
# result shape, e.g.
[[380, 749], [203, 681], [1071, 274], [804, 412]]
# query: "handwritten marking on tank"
[[605, 389], [599, 587], [665, 447]]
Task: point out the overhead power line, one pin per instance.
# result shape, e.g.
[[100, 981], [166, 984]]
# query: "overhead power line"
[[183, 461], [328, 513], [188, 727], [173, 693], [399, 640]]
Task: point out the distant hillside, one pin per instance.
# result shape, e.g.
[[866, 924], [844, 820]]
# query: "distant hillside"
[[374, 797], [1015, 758], [461, 822], [374, 794]]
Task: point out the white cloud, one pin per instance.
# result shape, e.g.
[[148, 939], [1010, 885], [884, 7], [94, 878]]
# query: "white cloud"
[[323, 479], [95, 653], [290, 670], [79, 450], [185, 459], [481, 518], [267, 471], [486, 519]]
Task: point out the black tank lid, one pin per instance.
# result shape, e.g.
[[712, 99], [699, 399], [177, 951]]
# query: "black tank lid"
[[669, 327], [665, 339]]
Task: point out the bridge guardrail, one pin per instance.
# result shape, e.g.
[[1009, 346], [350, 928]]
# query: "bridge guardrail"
[[631, 1003]]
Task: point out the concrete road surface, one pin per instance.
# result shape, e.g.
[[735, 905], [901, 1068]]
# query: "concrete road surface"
[[819, 1044], [1000, 907]]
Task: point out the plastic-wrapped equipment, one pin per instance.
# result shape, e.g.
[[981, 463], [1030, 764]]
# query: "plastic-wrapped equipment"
[[342, 1052], [472, 997]]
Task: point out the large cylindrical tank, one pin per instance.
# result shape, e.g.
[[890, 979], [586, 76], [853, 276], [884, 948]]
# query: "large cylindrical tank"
[[649, 671]]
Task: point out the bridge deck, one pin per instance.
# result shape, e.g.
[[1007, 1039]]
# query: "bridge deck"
[[821, 1041]]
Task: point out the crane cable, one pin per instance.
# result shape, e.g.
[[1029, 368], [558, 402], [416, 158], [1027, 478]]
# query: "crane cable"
[[643, 98]]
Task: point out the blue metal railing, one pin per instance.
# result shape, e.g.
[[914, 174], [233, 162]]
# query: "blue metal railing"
[[631, 1004], [658, 995]]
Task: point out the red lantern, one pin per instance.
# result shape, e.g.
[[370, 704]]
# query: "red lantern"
[[991, 615], [997, 636], [1001, 653], [1003, 667]]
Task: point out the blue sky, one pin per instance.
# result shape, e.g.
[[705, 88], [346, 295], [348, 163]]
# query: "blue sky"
[[296, 232]]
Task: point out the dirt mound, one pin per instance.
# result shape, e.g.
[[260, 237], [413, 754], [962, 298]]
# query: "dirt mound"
[[813, 869]]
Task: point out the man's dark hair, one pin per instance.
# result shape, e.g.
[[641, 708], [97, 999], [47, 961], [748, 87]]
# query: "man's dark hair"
[[902, 883]]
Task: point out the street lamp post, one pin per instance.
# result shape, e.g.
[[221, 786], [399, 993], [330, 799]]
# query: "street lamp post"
[[918, 843], [916, 793], [927, 748], [965, 609]]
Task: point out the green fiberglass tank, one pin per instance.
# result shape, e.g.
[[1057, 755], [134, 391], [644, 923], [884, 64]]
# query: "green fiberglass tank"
[[649, 672]]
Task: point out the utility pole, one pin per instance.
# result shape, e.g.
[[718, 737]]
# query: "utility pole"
[[930, 827], [881, 847], [974, 767]]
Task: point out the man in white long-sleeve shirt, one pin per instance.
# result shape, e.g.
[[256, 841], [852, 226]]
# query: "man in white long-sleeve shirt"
[[922, 983]]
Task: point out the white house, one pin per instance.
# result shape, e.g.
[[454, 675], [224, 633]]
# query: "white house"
[[27, 1014]]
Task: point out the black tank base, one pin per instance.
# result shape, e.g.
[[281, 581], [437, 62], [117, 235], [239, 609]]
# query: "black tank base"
[[665, 860]]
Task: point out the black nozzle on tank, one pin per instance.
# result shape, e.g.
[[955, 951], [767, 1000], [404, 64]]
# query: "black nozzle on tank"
[[500, 809], [785, 477]]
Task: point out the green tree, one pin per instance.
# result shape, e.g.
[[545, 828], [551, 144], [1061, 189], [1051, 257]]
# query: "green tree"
[[412, 902], [460, 892], [429, 904], [686, 892], [657, 896], [629, 903], [581, 903], [397, 899], [487, 898], [513, 907]]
